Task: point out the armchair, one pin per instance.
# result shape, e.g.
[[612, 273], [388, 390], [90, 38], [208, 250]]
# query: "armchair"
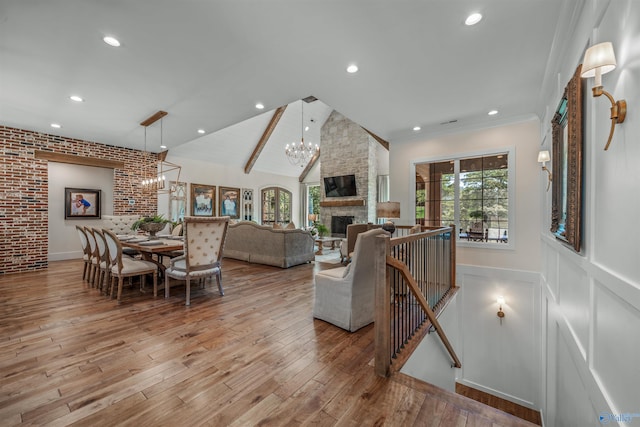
[[348, 244], [345, 295]]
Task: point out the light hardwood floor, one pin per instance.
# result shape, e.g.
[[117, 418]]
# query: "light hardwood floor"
[[69, 356]]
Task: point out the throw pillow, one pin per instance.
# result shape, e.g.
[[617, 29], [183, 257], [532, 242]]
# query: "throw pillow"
[[290, 226], [277, 226]]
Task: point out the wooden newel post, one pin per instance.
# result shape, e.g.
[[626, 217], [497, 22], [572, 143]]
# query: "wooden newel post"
[[382, 307]]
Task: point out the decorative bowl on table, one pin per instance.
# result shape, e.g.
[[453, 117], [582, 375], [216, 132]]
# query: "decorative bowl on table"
[[152, 227]]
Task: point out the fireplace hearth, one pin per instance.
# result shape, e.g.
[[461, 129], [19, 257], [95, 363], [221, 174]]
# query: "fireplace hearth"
[[339, 225]]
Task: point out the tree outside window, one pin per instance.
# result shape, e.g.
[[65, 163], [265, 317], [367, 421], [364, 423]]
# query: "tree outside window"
[[480, 211]]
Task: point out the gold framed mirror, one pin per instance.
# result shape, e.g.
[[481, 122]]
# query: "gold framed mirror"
[[566, 210]]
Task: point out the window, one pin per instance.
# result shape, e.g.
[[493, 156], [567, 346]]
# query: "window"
[[313, 203], [471, 192], [276, 205]]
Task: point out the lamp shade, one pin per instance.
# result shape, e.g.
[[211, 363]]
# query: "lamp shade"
[[543, 156], [388, 210], [598, 56]]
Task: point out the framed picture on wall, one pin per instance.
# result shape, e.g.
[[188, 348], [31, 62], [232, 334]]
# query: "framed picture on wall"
[[81, 203], [229, 202], [203, 200]]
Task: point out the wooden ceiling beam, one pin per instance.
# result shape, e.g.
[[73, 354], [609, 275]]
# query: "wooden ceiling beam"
[[382, 142], [310, 166], [265, 137]]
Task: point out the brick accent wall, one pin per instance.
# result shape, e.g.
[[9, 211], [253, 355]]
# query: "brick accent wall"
[[24, 191]]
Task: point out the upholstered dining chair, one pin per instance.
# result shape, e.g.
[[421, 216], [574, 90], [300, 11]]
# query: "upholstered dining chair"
[[93, 256], [203, 244], [345, 295], [86, 252], [122, 266]]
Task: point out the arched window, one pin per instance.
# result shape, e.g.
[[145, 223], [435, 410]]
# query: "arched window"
[[276, 205]]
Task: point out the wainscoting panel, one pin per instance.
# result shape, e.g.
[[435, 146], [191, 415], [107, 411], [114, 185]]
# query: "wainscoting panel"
[[615, 349], [573, 296], [503, 359]]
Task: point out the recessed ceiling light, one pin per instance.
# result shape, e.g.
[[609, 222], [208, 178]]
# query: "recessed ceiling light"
[[76, 98], [200, 130], [353, 68], [306, 128], [492, 112], [163, 147], [473, 19], [55, 125], [111, 41], [416, 128], [260, 106]]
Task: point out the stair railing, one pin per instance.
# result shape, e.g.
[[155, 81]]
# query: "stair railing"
[[416, 275]]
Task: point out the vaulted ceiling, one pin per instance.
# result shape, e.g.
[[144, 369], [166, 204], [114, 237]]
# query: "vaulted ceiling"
[[207, 63]]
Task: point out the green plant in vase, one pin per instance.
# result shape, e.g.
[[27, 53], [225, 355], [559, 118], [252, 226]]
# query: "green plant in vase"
[[322, 230], [150, 224]]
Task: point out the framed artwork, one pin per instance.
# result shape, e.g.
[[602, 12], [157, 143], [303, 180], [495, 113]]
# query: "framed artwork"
[[229, 202], [81, 203], [203, 200], [566, 209]]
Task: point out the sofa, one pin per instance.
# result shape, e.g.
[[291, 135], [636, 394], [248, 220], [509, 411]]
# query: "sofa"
[[261, 244]]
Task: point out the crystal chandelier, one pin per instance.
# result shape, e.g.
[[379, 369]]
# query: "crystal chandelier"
[[298, 153]]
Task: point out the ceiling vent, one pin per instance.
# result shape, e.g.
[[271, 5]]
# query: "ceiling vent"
[[310, 99]]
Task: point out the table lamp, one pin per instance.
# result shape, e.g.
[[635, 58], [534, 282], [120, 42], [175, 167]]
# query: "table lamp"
[[388, 210]]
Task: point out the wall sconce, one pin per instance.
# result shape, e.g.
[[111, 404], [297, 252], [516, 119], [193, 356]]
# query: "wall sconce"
[[598, 60], [500, 313], [544, 157]]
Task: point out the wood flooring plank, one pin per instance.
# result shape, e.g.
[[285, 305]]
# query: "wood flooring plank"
[[256, 356]]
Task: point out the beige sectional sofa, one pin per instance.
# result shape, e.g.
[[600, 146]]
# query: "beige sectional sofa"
[[248, 241]]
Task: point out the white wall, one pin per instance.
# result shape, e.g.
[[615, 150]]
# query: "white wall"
[[504, 360], [592, 299], [524, 136], [63, 237], [431, 361], [218, 174]]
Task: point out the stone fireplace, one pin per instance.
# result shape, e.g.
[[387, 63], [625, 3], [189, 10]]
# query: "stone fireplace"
[[347, 149]]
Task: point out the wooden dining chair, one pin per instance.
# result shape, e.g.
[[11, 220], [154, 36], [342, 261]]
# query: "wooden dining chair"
[[93, 256], [203, 244], [122, 266], [86, 252], [103, 261]]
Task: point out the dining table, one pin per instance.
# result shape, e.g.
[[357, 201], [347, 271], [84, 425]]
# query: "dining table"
[[149, 246]]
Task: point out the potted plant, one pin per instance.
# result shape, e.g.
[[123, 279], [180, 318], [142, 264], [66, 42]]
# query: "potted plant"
[[150, 224], [322, 230]]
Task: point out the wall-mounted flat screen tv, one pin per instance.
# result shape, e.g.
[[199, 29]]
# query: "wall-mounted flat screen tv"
[[340, 186]]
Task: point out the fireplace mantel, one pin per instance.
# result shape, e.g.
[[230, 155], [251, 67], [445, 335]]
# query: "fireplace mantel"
[[341, 203]]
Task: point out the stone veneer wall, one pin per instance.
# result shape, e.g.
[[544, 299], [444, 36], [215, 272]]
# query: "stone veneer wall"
[[348, 149], [24, 191]]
